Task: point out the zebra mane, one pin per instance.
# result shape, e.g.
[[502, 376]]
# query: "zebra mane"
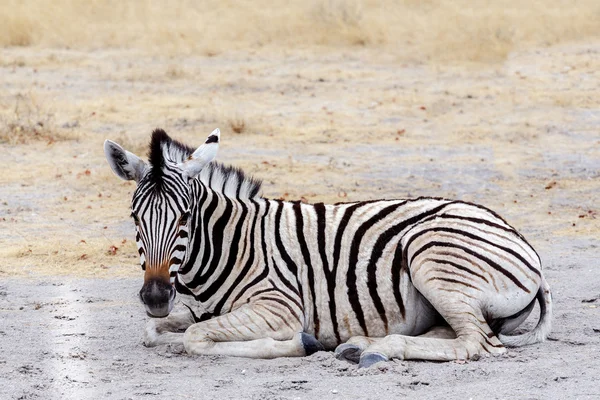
[[226, 179], [229, 180]]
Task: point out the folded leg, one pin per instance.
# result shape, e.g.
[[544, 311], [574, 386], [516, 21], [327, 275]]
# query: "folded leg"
[[168, 330], [259, 330]]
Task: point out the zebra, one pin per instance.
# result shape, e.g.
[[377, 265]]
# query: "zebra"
[[425, 278]]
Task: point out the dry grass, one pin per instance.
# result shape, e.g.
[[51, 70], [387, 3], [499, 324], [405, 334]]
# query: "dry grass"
[[237, 124], [135, 144], [87, 258], [334, 75], [28, 119], [438, 30]]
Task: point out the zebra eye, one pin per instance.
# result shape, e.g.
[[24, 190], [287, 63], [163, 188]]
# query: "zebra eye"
[[136, 220], [183, 220]]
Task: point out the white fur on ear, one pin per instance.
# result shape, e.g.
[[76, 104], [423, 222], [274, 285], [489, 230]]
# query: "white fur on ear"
[[124, 164], [203, 155]]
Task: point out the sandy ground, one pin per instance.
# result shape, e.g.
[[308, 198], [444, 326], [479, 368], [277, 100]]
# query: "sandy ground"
[[521, 137]]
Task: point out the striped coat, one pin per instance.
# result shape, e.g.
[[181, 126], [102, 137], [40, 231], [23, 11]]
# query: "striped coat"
[[266, 278]]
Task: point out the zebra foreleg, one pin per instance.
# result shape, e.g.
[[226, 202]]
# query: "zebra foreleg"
[[253, 331], [168, 330]]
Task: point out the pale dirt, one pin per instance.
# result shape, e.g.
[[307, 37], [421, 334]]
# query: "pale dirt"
[[521, 137]]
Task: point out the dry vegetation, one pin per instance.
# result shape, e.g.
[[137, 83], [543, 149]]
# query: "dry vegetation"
[[419, 30], [346, 91], [27, 119]]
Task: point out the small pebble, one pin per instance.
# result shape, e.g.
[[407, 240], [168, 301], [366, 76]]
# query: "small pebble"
[[334, 391], [243, 372]]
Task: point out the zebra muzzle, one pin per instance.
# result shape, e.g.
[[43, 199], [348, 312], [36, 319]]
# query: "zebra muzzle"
[[158, 297]]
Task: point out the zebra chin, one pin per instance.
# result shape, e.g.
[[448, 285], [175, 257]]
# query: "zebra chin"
[[159, 312], [158, 298]]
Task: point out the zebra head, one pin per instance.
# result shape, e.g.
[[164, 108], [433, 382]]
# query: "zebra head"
[[161, 209]]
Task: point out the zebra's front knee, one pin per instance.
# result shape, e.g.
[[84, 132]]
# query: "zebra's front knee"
[[151, 333], [196, 340]]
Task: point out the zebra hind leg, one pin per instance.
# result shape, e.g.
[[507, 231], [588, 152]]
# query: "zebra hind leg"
[[440, 332], [353, 348], [473, 338]]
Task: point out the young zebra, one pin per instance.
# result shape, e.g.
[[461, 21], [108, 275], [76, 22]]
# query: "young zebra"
[[427, 278]]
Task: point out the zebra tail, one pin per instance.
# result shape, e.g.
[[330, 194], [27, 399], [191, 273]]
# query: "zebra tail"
[[544, 325]]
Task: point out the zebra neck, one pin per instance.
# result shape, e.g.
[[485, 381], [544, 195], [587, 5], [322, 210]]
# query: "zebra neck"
[[223, 249]]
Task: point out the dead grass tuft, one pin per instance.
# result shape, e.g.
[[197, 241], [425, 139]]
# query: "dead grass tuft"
[[175, 72], [135, 144], [237, 124], [29, 120]]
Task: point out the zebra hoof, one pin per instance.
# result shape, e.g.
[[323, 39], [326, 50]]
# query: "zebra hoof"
[[310, 343], [368, 359], [348, 352]]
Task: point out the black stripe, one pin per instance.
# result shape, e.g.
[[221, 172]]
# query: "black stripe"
[[297, 207], [263, 275], [479, 221], [196, 238], [471, 252], [283, 303], [284, 280], [233, 252], [286, 294], [438, 278], [278, 242], [337, 247], [244, 272], [496, 215], [174, 261], [181, 288], [478, 238], [337, 244], [206, 270], [206, 217], [397, 267], [380, 245], [458, 266], [259, 292], [203, 317], [353, 297], [329, 275], [179, 247]]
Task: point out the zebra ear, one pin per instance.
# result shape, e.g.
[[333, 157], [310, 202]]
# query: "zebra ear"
[[124, 164], [203, 155]]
